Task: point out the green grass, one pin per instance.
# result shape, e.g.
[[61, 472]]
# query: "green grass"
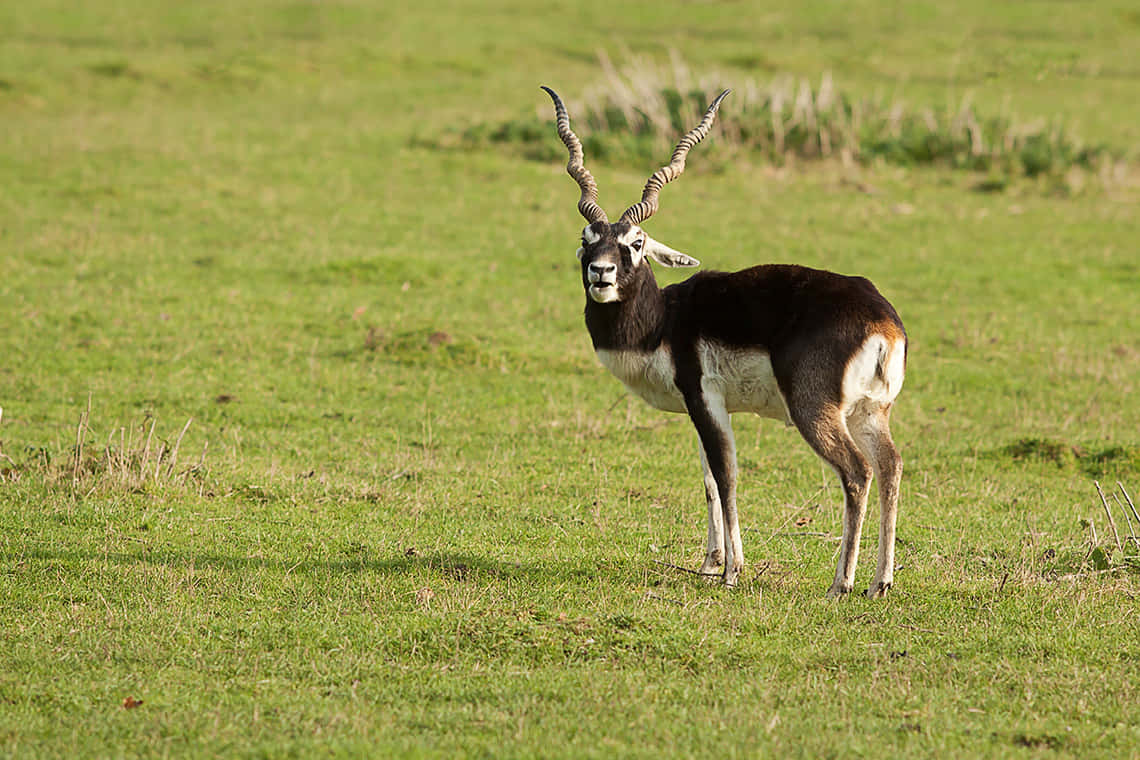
[[412, 515]]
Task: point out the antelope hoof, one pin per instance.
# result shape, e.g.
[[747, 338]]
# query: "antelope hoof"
[[838, 590], [878, 590], [711, 568], [731, 576]]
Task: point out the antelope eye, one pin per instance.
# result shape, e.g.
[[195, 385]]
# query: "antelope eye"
[[636, 245]]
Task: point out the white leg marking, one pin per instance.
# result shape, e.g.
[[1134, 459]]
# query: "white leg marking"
[[849, 548], [714, 551], [733, 546]]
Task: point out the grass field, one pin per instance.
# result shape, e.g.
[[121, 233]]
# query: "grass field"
[[411, 514]]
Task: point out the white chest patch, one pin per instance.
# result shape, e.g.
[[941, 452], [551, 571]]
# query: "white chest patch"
[[744, 378], [647, 374]]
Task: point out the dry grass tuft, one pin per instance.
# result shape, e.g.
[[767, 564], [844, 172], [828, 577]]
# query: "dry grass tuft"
[[636, 114], [129, 458]]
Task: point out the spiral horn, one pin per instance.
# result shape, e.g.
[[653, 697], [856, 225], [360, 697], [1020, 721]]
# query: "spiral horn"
[[588, 203], [647, 206]]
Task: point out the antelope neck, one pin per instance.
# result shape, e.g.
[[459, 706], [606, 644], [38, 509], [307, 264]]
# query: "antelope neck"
[[636, 323]]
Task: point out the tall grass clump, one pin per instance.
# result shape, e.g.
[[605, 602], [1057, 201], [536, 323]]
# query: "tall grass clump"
[[636, 114], [129, 458]]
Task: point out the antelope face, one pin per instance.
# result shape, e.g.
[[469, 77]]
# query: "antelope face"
[[611, 255]]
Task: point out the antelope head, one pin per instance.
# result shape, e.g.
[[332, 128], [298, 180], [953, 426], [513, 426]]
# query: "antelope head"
[[612, 255]]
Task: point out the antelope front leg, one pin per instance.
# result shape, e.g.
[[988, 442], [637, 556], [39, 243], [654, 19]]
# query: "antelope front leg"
[[710, 417], [714, 552]]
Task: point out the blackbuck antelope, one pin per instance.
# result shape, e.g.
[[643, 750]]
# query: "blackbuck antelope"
[[815, 349]]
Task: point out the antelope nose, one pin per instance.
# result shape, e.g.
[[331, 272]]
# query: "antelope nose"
[[601, 269]]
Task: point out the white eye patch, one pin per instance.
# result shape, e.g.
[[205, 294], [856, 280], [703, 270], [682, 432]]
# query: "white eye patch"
[[634, 239], [631, 236]]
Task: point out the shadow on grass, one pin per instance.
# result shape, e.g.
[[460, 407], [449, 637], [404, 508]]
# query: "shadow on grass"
[[455, 565], [1112, 461]]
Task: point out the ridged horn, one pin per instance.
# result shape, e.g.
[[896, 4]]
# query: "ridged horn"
[[647, 206], [588, 203]]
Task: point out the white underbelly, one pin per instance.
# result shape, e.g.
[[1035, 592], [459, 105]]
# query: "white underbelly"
[[745, 379]]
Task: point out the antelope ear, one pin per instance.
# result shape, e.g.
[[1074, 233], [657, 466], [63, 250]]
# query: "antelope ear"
[[666, 256]]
